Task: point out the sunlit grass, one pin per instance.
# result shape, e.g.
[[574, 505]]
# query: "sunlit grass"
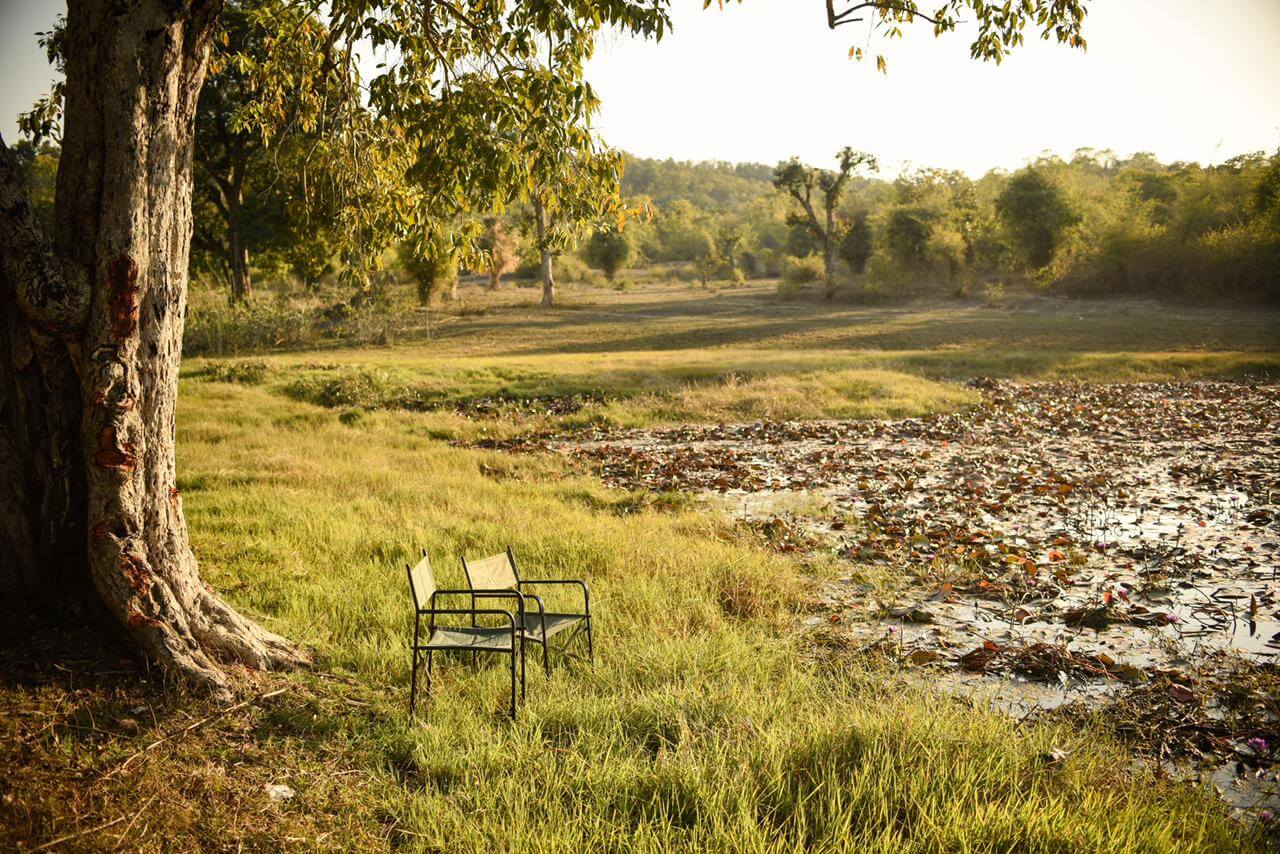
[[703, 724]]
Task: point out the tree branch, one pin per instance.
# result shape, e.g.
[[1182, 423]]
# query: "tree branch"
[[50, 291], [835, 19], [807, 204]]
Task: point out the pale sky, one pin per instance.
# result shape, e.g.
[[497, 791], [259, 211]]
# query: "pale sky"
[[765, 80]]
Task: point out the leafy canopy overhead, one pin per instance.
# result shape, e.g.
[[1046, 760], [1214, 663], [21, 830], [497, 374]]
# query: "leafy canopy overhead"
[[488, 102]]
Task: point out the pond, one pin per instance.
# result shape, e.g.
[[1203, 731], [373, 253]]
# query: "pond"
[[1062, 546]]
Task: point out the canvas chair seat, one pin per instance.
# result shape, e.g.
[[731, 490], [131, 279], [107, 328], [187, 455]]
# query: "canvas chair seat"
[[555, 623], [467, 637]]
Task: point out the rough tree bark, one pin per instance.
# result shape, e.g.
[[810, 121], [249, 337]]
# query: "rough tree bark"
[[548, 275], [92, 331]]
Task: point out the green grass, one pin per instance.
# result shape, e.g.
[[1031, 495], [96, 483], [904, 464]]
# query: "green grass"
[[666, 354], [705, 724]]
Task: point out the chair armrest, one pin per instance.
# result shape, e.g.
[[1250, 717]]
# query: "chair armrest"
[[586, 593], [497, 612], [521, 597], [484, 594], [472, 612]]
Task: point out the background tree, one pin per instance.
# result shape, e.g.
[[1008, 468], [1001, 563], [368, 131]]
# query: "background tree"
[[907, 235], [609, 251], [705, 258], [1036, 213], [802, 183], [573, 179], [855, 242], [729, 238], [499, 249], [434, 272], [38, 165]]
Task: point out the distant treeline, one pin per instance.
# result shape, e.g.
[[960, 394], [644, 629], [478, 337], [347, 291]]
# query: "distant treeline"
[[1095, 224]]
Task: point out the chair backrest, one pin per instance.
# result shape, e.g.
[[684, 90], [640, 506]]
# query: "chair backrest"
[[497, 572], [421, 582]]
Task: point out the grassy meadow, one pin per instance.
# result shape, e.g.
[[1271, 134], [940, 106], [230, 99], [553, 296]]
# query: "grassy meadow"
[[704, 725]]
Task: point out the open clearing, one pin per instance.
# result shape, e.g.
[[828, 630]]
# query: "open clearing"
[[718, 716]]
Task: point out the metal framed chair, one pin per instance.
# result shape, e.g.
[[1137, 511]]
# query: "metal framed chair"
[[505, 640], [498, 575]]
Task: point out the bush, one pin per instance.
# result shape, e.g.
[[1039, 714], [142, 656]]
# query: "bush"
[[218, 330], [995, 293], [1036, 212], [907, 234], [685, 273], [246, 373], [802, 271], [609, 251], [431, 274], [855, 244], [571, 268]]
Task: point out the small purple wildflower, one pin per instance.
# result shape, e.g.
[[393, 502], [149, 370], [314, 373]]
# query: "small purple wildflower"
[[1266, 816], [1172, 618], [1257, 744]]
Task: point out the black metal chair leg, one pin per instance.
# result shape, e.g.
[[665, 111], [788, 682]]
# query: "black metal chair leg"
[[413, 682], [591, 648], [513, 683], [522, 688], [429, 654]]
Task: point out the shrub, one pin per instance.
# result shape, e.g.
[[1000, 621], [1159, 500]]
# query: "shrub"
[[609, 251], [246, 373], [906, 236], [685, 273], [855, 244], [571, 268], [217, 330], [802, 271], [432, 274], [994, 292], [1036, 212]]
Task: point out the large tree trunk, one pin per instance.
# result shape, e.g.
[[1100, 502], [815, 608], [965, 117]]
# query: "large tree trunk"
[[545, 268], [93, 336]]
